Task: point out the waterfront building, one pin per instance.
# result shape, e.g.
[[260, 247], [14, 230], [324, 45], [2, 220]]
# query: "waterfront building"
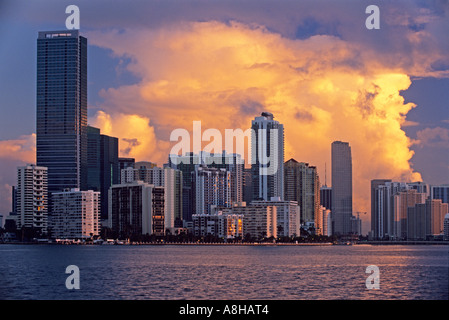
[[31, 198], [222, 223], [136, 208], [75, 215], [426, 220], [287, 215]]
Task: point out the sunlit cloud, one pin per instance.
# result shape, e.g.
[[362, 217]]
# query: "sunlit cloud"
[[136, 135], [321, 88], [22, 149], [433, 137]]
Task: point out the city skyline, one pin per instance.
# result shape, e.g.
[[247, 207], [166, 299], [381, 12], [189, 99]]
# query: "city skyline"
[[150, 82]]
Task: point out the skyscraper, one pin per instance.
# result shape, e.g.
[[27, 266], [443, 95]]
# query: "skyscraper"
[[267, 157], [103, 166], [341, 187], [170, 179], [375, 206], [61, 108], [302, 184], [212, 187], [136, 209], [440, 192], [109, 173]]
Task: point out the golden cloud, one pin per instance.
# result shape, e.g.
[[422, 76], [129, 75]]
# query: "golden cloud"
[[322, 89], [22, 149]]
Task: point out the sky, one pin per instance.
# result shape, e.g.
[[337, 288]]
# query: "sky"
[[155, 66]]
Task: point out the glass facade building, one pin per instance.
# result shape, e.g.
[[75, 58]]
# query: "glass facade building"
[[61, 113], [341, 187]]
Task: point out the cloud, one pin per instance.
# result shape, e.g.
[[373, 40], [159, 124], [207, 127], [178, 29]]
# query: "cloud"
[[22, 149], [136, 135], [408, 123], [433, 137], [13, 153], [321, 88]]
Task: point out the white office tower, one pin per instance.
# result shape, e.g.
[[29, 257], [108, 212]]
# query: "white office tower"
[[31, 198], [75, 214], [267, 157]]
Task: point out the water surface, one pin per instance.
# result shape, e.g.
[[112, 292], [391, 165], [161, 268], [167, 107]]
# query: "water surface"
[[224, 272]]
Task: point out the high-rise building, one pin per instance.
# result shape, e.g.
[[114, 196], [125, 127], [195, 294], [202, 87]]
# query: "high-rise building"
[[327, 221], [402, 201], [32, 198], [446, 227], [102, 163], [61, 113], [287, 215], [389, 203], [302, 184], [375, 216], [93, 159], [136, 209], [440, 192], [75, 215], [326, 197], [247, 182], [267, 157], [109, 173], [186, 164], [124, 163], [426, 219], [212, 187], [341, 187], [170, 179], [233, 163]]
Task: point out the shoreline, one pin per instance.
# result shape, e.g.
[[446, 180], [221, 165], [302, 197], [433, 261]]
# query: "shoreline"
[[371, 243]]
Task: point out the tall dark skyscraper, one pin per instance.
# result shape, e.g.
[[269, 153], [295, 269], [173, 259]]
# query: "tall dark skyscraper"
[[341, 188], [302, 184], [103, 165], [61, 113]]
